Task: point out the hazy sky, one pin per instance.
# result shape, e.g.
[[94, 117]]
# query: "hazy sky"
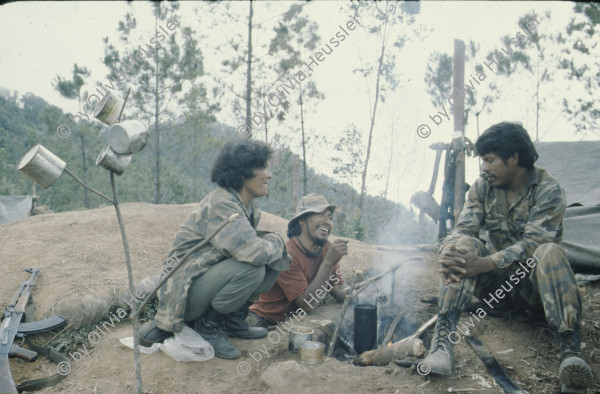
[[43, 39]]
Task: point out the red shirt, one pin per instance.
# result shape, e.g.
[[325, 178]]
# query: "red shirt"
[[277, 303]]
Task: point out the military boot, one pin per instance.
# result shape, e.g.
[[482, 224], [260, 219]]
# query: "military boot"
[[574, 373], [211, 329], [150, 334], [236, 326], [439, 360]]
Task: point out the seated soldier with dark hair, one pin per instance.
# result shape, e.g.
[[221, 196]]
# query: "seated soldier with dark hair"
[[522, 264], [210, 291], [314, 272]]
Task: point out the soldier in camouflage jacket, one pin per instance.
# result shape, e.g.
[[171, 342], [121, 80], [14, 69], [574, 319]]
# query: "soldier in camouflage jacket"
[[211, 290], [521, 208]]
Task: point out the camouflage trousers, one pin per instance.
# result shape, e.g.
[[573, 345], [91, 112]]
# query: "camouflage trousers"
[[226, 286], [543, 281]]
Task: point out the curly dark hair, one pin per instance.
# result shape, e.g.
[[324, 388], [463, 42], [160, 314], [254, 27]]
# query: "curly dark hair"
[[294, 228], [237, 160], [506, 138]]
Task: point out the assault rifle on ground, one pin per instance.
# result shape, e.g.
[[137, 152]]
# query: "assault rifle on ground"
[[12, 329]]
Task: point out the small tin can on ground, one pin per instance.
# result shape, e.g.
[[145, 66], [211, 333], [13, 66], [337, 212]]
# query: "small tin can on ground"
[[311, 352], [297, 336]]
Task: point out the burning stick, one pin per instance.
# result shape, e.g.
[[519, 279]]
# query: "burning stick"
[[390, 331], [426, 326], [411, 345], [383, 356]]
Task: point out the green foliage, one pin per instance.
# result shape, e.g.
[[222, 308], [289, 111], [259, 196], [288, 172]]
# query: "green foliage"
[[438, 78], [20, 130], [582, 43], [354, 227], [158, 72], [72, 340], [71, 88]]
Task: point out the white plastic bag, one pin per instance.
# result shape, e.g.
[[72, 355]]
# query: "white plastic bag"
[[186, 345]]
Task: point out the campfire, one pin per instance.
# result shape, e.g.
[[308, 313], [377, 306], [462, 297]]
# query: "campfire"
[[380, 324]]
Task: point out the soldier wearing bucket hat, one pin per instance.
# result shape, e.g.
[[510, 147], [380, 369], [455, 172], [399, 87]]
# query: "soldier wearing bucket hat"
[[315, 270]]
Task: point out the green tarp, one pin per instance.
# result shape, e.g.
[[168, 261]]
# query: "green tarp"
[[576, 166]]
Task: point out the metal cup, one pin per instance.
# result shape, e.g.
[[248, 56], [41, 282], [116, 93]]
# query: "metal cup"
[[311, 352], [113, 161], [42, 166], [128, 136], [108, 110], [299, 335]]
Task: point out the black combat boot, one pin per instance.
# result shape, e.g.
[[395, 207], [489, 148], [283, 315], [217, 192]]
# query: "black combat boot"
[[236, 326], [211, 329], [439, 360], [574, 373], [150, 334]]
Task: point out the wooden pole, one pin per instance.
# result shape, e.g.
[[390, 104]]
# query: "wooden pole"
[[135, 324], [458, 140]]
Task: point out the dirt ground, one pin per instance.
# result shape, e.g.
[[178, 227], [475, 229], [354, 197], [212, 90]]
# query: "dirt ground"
[[80, 256]]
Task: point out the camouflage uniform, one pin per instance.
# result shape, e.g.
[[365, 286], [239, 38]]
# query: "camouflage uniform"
[[238, 240], [524, 240]]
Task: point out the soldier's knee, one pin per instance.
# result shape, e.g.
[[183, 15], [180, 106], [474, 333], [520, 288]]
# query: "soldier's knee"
[[549, 253], [471, 243], [256, 274], [548, 248], [244, 272]]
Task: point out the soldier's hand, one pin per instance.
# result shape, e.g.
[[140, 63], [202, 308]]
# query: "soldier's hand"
[[452, 265], [337, 249], [458, 263]]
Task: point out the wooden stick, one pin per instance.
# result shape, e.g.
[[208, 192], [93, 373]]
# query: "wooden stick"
[[342, 313], [411, 345], [356, 289], [427, 325], [384, 273], [384, 355], [136, 340], [390, 331], [89, 188], [183, 259], [124, 102]]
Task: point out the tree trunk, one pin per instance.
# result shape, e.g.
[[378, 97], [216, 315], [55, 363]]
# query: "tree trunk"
[[303, 145], [265, 112], [371, 127], [387, 178], [156, 127], [458, 143], [195, 166], [537, 98], [295, 183], [249, 76], [86, 200]]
